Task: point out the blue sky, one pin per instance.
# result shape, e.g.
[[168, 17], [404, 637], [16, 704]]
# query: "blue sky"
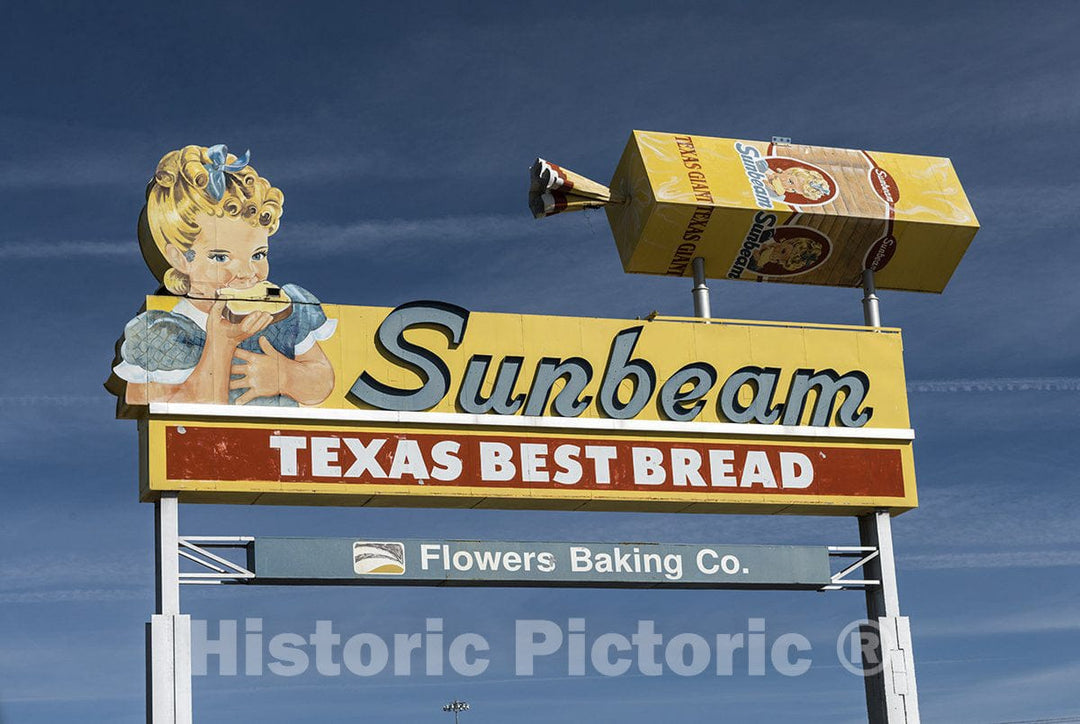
[[400, 135]]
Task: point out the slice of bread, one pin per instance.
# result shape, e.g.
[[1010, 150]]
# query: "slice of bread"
[[263, 297]]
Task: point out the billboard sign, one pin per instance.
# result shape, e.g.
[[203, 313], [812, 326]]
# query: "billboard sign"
[[425, 562], [251, 391], [432, 404]]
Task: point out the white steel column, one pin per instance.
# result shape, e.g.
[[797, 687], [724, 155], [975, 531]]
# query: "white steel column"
[[167, 559], [701, 290], [168, 655], [891, 695]]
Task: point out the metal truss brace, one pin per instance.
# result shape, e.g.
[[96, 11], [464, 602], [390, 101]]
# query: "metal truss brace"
[[221, 570], [842, 580]]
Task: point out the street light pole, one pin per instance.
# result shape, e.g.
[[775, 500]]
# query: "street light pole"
[[456, 706]]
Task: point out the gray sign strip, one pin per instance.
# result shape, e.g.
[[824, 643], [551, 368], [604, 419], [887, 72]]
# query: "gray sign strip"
[[423, 562]]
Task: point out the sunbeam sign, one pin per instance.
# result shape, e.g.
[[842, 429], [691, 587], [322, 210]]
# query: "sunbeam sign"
[[250, 391], [432, 404]]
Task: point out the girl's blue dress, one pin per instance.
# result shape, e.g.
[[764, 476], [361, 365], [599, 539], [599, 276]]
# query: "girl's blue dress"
[[164, 347]]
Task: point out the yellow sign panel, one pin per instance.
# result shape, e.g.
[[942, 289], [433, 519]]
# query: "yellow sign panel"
[[431, 404], [788, 213]]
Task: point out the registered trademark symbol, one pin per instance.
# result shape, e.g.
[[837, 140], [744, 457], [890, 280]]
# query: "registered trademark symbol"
[[858, 648]]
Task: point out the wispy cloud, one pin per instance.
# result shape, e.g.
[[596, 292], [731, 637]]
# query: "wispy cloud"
[[385, 233], [965, 510], [1058, 618], [66, 249], [1001, 384], [388, 235], [50, 400], [76, 595], [35, 574], [76, 161], [1004, 559], [1017, 696]]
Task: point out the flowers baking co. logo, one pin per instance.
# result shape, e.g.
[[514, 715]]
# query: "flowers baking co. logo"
[[769, 250], [378, 558], [789, 180]]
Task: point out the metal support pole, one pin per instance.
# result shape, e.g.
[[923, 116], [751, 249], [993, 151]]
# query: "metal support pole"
[[871, 311], [168, 635], [701, 290], [876, 530], [888, 663], [166, 560]]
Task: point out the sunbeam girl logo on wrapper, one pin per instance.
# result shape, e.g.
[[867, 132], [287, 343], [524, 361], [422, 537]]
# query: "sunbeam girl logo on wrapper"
[[798, 183], [772, 251]]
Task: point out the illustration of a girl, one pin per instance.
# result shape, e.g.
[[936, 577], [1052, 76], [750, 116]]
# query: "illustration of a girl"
[[804, 182], [782, 257], [203, 233]]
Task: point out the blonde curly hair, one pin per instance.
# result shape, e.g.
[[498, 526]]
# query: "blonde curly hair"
[[178, 194], [812, 184], [804, 253]]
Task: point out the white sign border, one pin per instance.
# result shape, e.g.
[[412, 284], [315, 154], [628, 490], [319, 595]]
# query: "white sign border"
[[456, 419]]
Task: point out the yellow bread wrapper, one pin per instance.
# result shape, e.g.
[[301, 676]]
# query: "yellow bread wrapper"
[[788, 213]]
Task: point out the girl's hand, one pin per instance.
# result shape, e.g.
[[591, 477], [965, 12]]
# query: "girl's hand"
[[220, 329], [260, 374]]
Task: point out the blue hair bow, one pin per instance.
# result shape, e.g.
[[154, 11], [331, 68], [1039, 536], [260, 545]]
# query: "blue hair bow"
[[217, 168]]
